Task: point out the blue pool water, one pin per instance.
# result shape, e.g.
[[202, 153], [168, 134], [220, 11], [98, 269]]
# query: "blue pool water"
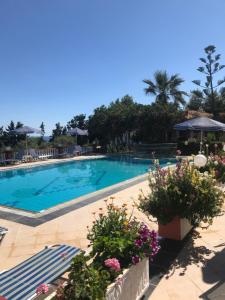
[[39, 188]]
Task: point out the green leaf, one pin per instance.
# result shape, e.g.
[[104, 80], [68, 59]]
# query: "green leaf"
[[219, 82], [197, 82], [217, 57], [203, 60], [201, 69]]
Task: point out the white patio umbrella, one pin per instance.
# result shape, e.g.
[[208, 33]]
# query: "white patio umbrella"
[[77, 131], [25, 130], [200, 124]]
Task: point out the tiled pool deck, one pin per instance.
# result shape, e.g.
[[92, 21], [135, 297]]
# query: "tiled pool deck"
[[197, 269]]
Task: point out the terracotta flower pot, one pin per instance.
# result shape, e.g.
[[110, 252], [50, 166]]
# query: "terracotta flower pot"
[[177, 229]]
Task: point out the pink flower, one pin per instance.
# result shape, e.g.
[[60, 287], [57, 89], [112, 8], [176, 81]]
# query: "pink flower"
[[113, 264], [42, 289], [64, 255]]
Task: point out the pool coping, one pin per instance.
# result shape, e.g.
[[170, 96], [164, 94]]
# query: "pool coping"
[[34, 219], [40, 163]]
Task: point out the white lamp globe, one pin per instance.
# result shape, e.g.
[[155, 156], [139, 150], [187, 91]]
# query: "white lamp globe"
[[200, 160]]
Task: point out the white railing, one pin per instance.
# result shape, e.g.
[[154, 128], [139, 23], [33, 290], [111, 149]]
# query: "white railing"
[[46, 153]]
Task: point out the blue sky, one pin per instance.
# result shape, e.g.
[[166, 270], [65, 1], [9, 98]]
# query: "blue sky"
[[59, 58]]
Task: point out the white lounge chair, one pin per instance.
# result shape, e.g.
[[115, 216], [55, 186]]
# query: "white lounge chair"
[[3, 232]]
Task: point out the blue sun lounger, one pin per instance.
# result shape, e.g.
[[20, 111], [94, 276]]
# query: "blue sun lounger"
[[3, 231], [21, 282]]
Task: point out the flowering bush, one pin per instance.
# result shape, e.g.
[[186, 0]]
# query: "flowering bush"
[[216, 167], [85, 282], [183, 192], [115, 235], [117, 241]]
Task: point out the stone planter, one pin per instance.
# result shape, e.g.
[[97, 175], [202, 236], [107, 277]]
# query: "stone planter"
[[132, 284], [177, 229]]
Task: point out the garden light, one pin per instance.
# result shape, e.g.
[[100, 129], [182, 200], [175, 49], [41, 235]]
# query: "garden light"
[[200, 160]]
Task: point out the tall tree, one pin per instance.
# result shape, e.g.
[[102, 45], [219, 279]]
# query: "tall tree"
[[166, 89], [42, 127], [79, 121], [12, 139], [210, 67], [196, 101], [58, 131], [1, 136]]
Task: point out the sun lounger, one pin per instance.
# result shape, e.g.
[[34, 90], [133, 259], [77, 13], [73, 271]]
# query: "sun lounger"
[[44, 156], [5, 161], [77, 150], [33, 154], [45, 153], [3, 231], [21, 282]]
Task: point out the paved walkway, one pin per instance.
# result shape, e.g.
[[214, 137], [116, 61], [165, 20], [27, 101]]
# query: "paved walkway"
[[199, 267]]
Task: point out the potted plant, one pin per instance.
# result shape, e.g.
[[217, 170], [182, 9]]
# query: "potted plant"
[[117, 266], [180, 198]]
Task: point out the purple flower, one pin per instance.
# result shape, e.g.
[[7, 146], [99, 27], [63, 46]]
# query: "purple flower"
[[138, 243], [153, 234], [144, 231], [144, 239], [135, 259]]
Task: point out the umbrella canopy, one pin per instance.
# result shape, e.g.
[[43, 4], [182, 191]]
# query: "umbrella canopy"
[[200, 124], [77, 131], [25, 130]]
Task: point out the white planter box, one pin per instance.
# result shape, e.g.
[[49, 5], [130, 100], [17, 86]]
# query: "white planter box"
[[132, 284]]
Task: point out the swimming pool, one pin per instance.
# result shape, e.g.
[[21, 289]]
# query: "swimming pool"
[[38, 188]]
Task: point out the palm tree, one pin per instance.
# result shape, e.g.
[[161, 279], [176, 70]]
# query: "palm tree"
[[166, 89]]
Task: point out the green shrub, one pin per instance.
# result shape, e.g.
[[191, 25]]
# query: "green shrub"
[[63, 140], [85, 282]]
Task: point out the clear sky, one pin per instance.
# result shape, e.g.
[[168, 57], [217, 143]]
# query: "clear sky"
[[59, 58]]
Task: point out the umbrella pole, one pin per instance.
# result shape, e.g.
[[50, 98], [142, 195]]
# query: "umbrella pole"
[[201, 142], [26, 145]]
